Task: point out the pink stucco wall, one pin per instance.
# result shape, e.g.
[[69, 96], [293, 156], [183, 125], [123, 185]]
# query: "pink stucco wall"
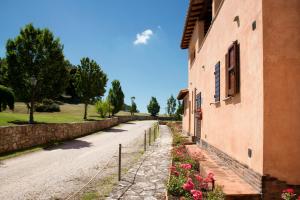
[[281, 19], [235, 125]]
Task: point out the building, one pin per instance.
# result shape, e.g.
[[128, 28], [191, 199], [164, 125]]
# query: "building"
[[243, 95]]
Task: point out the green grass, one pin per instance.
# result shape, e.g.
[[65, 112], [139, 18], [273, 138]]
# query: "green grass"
[[19, 153], [69, 113]]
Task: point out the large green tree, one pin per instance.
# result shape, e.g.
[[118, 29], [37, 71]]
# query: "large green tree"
[[153, 107], [7, 98], [36, 66], [3, 72], [90, 82], [116, 96], [171, 105], [179, 111]]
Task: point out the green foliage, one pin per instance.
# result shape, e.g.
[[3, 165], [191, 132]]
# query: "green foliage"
[[3, 72], [171, 105], [175, 186], [71, 88], [153, 107], [179, 111], [47, 105], [90, 81], [7, 98], [36, 53], [116, 96], [103, 107], [216, 194]]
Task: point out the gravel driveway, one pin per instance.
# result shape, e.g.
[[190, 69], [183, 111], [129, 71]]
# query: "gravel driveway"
[[59, 171]]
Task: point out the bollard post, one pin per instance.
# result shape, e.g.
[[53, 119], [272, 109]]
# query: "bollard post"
[[149, 136], [119, 169], [145, 140]]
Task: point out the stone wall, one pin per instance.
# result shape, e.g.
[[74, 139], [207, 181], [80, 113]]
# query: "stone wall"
[[19, 137]]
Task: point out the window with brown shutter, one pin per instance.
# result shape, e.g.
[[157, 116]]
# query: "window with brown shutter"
[[232, 70]]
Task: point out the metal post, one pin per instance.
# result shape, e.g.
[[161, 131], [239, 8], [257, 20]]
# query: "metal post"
[[149, 136], [120, 152], [145, 140]]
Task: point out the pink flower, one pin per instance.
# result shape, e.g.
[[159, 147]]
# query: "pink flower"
[[186, 166], [172, 168], [199, 178], [175, 173], [189, 185], [196, 194], [289, 190]]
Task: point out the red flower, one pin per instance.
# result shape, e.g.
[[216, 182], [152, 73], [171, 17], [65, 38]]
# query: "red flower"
[[298, 198], [186, 166], [196, 194], [189, 185]]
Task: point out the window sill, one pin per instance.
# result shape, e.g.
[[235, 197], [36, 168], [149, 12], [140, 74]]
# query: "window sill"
[[227, 98], [214, 103]]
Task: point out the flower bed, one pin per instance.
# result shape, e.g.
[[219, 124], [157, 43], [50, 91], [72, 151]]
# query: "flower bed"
[[185, 180]]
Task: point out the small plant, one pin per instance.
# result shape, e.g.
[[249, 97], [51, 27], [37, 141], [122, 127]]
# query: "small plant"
[[216, 194], [289, 194], [47, 105]]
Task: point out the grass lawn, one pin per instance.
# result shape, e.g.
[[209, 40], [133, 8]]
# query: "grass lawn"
[[68, 113]]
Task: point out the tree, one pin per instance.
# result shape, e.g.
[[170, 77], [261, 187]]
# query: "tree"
[[36, 66], [71, 88], [133, 107], [90, 82], [7, 98], [116, 96], [171, 105], [3, 72], [179, 111], [153, 107]]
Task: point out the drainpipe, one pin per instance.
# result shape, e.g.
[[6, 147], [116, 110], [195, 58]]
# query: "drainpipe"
[[195, 96]]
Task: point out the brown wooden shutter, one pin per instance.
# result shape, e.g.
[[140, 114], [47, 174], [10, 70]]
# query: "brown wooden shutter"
[[237, 67], [226, 74]]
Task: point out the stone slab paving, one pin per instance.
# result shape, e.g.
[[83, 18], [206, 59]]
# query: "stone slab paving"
[[147, 179]]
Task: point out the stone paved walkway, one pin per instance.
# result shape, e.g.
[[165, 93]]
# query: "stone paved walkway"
[[148, 178]]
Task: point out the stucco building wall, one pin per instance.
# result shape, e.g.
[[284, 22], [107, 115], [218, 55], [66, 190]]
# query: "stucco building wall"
[[281, 45], [235, 125]]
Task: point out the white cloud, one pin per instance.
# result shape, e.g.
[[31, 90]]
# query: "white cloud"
[[142, 38]]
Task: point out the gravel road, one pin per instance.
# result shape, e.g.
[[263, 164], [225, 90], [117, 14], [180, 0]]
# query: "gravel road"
[[57, 172]]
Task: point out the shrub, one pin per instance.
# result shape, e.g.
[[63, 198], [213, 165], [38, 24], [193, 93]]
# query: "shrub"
[[103, 108], [7, 98], [47, 105]]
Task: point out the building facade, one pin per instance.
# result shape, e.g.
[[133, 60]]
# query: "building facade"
[[243, 94]]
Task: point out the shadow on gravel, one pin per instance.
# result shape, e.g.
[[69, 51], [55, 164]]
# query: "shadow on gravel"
[[129, 123], [115, 130], [74, 144]]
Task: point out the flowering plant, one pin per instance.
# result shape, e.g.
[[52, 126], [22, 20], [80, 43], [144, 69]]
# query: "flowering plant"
[[289, 194]]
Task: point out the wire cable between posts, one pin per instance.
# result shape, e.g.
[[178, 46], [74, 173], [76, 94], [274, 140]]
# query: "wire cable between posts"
[[99, 172]]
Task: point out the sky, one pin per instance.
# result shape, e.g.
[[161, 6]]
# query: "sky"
[[134, 41]]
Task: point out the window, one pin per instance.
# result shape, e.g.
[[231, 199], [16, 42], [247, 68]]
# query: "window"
[[198, 101], [217, 82], [232, 70]]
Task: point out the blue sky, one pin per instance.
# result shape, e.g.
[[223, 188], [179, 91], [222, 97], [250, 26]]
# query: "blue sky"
[[151, 64]]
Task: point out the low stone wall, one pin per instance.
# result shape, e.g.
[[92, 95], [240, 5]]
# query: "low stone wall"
[[19, 137]]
